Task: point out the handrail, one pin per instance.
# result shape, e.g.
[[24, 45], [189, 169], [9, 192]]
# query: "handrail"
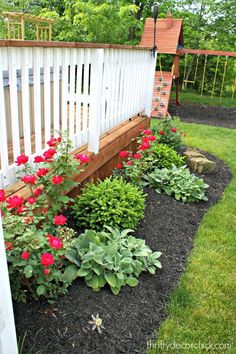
[[57, 44]]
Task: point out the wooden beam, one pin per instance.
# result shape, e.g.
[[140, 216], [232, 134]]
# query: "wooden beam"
[[46, 44], [206, 52]]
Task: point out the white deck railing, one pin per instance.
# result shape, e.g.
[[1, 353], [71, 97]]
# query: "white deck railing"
[[58, 86]]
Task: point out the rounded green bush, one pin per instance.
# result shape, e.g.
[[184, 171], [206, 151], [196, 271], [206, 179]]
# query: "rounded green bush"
[[112, 202], [163, 156]]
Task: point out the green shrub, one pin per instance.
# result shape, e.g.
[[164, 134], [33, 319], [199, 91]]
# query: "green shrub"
[[112, 257], [163, 156], [178, 182], [167, 133], [112, 202]]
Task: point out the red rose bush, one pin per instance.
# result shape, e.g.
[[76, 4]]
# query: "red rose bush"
[[36, 236]]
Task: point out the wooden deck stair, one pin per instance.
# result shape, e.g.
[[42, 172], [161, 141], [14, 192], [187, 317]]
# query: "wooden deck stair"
[[161, 93]]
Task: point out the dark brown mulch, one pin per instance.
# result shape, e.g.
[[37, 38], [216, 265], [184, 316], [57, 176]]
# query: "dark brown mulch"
[[210, 115], [131, 318]]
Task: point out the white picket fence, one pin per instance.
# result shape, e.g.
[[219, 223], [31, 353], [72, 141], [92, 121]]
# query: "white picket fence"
[[85, 90]]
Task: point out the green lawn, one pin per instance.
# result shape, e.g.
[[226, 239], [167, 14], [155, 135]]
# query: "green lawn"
[[203, 307], [192, 96]]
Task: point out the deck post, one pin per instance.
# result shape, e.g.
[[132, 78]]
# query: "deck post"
[[96, 95], [8, 341]]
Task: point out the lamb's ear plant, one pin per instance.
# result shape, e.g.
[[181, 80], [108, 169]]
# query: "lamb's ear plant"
[[113, 257], [178, 182]]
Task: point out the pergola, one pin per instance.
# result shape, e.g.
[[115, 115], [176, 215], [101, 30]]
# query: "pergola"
[[16, 26]]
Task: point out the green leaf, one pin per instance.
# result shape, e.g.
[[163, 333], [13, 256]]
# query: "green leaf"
[[70, 273], [82, 272], [131, 281], [152, 270], [93, 282], [115, 290], [28, 271], [111, 279], [158, 264], [41, 290]]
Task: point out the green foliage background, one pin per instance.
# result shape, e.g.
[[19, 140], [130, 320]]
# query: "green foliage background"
[[208, 24]]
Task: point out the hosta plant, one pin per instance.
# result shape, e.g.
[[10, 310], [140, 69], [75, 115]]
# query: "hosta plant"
[[112, 257], [178, 182], [112, 202]]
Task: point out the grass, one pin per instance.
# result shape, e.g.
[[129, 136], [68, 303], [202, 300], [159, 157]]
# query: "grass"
[[202, 310], [193, 96]]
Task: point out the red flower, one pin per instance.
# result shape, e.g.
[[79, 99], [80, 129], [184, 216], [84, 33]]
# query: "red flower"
[[2, 195], [130, 163], [57, 179], [138, 156], [42, 172], [22, 209], [28, 179], [31, 200], [9, 246], [119, 166], [44, 210], [25, 255], [47, 259], [144, 146], [173, 130], [55, 242], [21, 160], [39, 159], [161, 132], [82, 157], [123, 154], [141, 128], [14, 201], [151, 138], [37, 192], [28, 219], [53, 141], [46, 271], [147, 132], [59, 220], [48, 154]]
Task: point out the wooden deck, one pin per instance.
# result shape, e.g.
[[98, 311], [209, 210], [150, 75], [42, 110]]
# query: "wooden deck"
[[161, 93]]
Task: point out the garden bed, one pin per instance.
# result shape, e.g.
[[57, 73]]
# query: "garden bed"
[[131, 317], [202, 114]]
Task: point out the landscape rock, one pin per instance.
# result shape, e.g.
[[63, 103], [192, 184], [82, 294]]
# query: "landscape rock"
[[198, 162]]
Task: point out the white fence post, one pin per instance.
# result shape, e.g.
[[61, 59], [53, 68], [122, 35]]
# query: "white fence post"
[[96, 95], [151, 68], [8, 341]]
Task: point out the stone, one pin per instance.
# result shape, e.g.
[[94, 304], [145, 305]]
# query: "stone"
[[192, 153], [201, 164]]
